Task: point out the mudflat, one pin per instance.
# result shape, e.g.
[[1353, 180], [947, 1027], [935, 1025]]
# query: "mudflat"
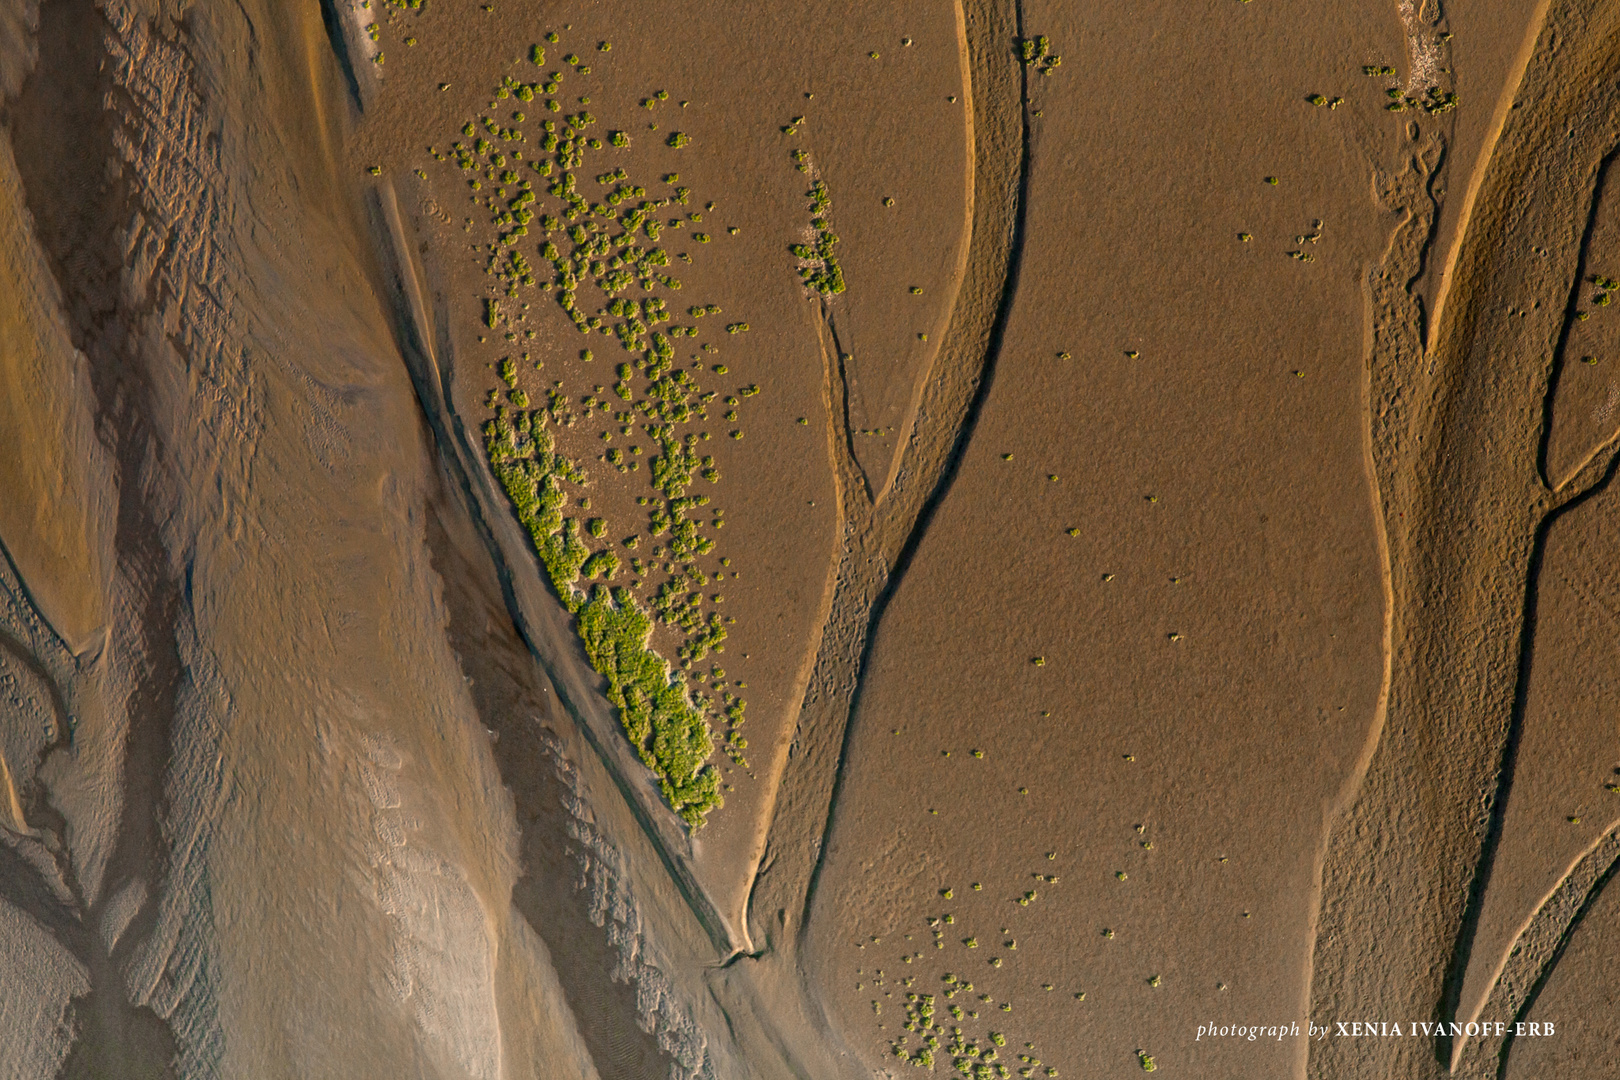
[[621, 541]]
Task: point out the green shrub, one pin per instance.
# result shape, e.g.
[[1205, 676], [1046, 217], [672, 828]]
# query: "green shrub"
[[670, 735]]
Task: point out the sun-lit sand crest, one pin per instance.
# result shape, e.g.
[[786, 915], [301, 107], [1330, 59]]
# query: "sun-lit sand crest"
[[443, 959]]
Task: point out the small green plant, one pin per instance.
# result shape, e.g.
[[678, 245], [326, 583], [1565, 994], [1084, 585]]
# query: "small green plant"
[[818, 263], [1037, 54], [678, 139], [604, 564]]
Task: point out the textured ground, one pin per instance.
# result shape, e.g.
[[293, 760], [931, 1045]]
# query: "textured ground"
[[1155, 566]]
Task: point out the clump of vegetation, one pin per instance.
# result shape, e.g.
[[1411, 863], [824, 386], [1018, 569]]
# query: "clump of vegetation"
[[1037, 53], [818, 262], [1434, 101], [604, 246], [671, 737], [946, 1025], [1312, 237]]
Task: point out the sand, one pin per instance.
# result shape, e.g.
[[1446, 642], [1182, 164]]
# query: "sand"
[[1217, 611], [1151, 567]]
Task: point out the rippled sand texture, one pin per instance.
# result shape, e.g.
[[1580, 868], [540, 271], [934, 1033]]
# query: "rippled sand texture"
[[1170, 581]]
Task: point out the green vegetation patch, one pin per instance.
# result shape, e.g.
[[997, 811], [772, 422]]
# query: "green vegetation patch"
[[1037, 53], [818, 261], [670, 735], [593, 250]]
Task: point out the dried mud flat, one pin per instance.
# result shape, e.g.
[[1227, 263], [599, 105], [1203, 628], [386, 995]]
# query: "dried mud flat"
[[620, 540]]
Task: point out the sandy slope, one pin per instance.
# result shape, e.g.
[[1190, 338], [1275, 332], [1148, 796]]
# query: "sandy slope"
[[311, 835], [1423, 851]]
